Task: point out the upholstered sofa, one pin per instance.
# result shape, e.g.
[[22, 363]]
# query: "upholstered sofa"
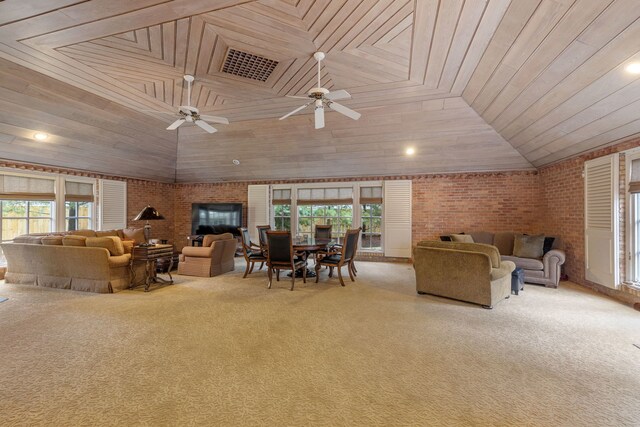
[[471, 272], [98, 266], [214, 257], [544, 270]]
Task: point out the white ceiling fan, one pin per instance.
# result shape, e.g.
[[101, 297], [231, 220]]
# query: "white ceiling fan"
[[320, 96], [192, 114]]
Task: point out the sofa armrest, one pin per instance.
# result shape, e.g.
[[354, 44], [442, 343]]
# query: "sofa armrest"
[[553, 257], [198, 251], [119, 260]]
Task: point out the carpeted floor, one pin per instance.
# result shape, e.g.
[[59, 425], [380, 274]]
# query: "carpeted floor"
[[227, 351]]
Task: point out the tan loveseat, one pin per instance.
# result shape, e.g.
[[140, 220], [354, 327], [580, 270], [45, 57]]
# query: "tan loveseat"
[[471, 272], [81, 261], [214, 257], [544, 270]]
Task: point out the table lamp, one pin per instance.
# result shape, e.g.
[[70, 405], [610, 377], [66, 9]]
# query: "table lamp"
[[148, 214]]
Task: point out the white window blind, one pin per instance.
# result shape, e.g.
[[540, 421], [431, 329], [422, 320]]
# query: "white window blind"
[[78, 191], [325, 196], [257, 209], [14, 187], [397, 218], [113, 204], [281, 196], [370, 195], [601, 220]]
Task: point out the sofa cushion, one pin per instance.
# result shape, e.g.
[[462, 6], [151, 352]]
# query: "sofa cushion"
[[52, 240], [525, 246], [504, 242], [86, 233], [32, 240], [462, 238], [135, 234], [482, 237], [111, 243], [525, 263], [107, 233], [489, 250], [74, 240]]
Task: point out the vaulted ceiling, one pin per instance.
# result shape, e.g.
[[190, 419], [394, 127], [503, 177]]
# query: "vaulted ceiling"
[[471, 84]]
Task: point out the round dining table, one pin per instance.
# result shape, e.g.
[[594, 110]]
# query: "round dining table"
[[308, 245]]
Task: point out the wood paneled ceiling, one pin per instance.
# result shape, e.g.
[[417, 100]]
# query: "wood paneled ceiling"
[[471, 84]]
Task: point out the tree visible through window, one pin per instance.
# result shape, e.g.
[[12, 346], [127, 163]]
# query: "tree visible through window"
[[78, 215], [282, 217], [339, 216], [371, 215]]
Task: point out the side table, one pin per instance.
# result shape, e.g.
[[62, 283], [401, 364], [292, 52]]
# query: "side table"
[[150, 255]]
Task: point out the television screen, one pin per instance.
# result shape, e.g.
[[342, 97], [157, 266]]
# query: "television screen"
[[216, 218]]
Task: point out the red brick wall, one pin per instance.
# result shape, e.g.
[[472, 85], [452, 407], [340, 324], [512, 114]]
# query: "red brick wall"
[[157, 194], [563, 209], [505, 201]]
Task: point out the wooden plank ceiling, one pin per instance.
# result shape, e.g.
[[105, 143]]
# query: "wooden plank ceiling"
[[470, 84]]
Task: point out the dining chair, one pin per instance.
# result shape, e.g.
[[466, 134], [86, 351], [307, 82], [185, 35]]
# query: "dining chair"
[[252, 252], [262, 237], [323, 231], [337, 258], [281, 256]]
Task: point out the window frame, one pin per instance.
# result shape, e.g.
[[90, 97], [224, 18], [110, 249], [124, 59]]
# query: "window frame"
[[28, 217], [632, 216]]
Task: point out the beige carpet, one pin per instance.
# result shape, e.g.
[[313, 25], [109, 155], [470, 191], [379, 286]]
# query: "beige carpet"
[[227, 351]]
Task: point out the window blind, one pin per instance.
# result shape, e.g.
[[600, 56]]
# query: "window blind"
[[634, 183], [281, 196], [14, 187], [370, 195], [78, 191], [325, 196]]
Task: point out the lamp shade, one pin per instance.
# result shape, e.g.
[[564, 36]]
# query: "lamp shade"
[[148, 213]]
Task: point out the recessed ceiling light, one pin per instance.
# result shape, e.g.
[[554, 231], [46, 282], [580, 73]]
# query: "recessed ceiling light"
[[236, 162], [41, 136], [410, 151], [633, 68]]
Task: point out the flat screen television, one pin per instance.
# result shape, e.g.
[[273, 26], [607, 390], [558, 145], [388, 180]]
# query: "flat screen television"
[[216, 218]]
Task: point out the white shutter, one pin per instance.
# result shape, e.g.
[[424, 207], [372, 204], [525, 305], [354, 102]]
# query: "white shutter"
[[257, 209], [113, 204], [601, 220], [397, 218]]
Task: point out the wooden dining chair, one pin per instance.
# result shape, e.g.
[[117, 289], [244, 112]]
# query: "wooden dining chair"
[[252, 252], [323, 231], [281, 256], [337, 258], [262, 237]]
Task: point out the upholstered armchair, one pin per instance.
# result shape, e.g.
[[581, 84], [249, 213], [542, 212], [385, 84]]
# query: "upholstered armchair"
[[214, 257]]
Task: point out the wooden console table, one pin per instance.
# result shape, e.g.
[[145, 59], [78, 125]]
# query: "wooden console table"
[[150, 255]]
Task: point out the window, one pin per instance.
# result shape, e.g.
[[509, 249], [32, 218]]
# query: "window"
[[78, 215], [339, 216], [25, 216], [281, 201], [371, 215]]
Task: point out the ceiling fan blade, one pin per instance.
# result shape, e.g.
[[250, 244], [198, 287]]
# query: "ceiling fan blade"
[[319, 117], [297, 97], [175, 124], [158, 112], [215, 119], [296, 110], [339, 94], [206, 126], [344, 110]]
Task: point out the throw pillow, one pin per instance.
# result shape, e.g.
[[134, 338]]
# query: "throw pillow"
[[128, 246], [135, 234], [463, 238], [52, 240], [111, 243], [106, 233], [528, 246], [85, 233], [73, 240], [548, 244]]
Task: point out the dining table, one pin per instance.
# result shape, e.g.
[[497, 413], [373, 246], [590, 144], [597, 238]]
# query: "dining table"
[[310, 244]]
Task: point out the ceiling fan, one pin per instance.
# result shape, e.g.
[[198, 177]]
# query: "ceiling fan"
[[320, 96], [192, 114]]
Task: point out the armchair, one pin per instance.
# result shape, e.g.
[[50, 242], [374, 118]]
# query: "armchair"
[[214, 257]]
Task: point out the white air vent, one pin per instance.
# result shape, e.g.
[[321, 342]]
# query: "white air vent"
[[249, 66]]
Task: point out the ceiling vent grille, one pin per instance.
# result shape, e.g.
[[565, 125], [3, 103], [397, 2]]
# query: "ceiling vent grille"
[[249, 66]]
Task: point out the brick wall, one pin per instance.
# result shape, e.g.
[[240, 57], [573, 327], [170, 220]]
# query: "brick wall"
[[157, 194]]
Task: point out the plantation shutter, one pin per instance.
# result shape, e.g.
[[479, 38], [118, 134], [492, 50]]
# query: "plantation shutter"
[[113, 204], [13, 187], [601, 220], [397, 218], [78, 191], [257, 209]]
